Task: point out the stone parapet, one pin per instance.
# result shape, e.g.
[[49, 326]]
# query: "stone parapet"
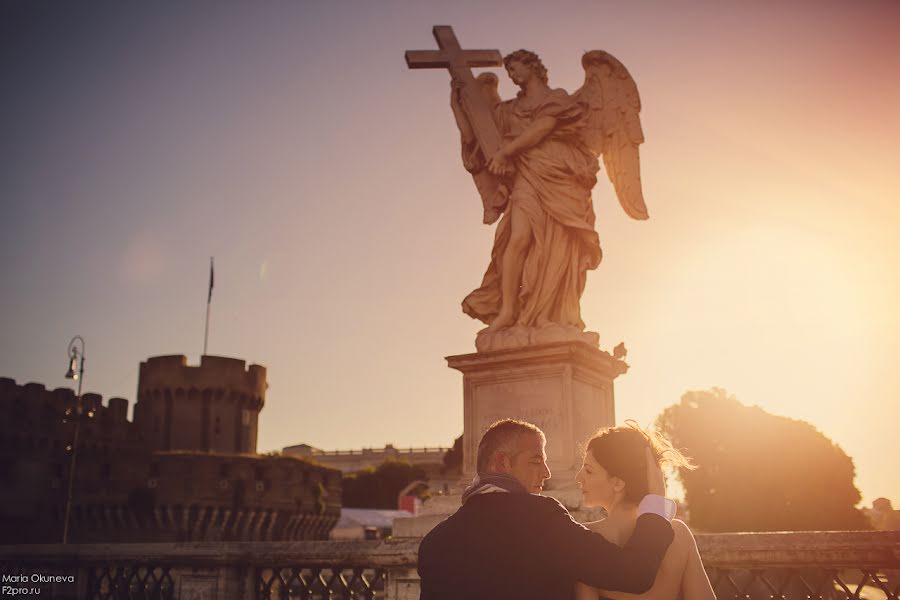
[[259, 570], [794, 549]]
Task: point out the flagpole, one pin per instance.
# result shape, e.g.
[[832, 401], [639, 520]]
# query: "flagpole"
[[208, 302]]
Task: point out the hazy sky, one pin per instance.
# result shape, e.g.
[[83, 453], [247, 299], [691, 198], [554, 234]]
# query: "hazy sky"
[[290, 141]]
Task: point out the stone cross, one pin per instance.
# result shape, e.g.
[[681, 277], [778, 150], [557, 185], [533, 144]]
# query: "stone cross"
[[458, 62]]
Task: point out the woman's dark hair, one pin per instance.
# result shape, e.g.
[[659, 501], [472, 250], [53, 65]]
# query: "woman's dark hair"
[[620, 450]]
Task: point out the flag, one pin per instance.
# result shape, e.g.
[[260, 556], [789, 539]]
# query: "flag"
[[209, 297]]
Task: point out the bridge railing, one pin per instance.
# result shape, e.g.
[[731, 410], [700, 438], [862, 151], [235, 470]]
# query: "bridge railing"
[[742, 566]]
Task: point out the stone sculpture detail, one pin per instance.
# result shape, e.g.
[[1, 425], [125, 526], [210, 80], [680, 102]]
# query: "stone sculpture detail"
[[534, 162]]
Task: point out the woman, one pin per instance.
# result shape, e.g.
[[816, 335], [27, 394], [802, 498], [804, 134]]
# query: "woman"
[[614, 477]]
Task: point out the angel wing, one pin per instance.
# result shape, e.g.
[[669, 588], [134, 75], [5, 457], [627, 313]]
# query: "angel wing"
[[488, 83], [614, 127]]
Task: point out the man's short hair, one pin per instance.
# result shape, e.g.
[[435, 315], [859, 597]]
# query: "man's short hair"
[[502, 436]]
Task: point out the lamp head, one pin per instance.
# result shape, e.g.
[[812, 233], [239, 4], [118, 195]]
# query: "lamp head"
[[71, 373]]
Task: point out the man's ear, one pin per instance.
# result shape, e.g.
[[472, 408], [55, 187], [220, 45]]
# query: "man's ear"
[[502, 462], [618, 484]]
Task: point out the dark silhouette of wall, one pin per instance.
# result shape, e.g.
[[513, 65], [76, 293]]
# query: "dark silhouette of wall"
[[192, 480]]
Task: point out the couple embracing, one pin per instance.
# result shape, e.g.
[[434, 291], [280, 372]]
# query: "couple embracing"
[[508, 541]]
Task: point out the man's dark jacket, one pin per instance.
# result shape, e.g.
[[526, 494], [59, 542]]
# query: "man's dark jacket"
[[522, 546]]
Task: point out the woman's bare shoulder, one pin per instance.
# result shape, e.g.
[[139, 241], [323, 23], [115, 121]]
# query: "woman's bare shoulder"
[[683, 535], [679, 525]]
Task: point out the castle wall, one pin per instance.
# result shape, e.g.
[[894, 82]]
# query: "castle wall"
[[187, 496], [35, 460], [213, 407], [184, 470]]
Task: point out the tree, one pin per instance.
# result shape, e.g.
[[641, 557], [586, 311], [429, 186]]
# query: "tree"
[[758, 471], [453, 458], [378, 487]]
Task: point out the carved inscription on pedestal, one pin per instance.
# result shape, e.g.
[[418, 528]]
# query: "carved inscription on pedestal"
[[537, 401]]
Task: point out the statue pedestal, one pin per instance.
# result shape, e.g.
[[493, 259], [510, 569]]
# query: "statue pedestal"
[[565, 388]]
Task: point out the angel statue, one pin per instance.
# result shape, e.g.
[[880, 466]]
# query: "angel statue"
[[539, 177]]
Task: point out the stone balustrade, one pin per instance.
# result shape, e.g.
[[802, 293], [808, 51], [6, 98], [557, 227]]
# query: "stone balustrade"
[[745, 566], [388, 450]]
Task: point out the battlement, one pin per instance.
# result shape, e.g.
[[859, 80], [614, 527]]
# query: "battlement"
[[44, 425], [33, 400], [214, 372], [211, 407]]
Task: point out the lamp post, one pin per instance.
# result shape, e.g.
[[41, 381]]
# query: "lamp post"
[[76, 359]]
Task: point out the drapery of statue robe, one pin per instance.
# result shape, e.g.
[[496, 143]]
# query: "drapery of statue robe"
[[551, 189]]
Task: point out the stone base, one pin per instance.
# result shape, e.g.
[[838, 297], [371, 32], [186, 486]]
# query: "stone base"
[[565, 388], [519, 337]]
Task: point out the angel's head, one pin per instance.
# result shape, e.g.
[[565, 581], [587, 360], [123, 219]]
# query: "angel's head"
[[529, 61]]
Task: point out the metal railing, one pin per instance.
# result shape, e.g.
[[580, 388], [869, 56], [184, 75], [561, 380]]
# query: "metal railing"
[[336, 582], [831, 565], [742, 566]]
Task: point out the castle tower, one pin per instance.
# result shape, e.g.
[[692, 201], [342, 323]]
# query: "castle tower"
[[211, 408]]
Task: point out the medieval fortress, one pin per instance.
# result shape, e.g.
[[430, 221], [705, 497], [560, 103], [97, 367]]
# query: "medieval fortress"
[[184, 469]]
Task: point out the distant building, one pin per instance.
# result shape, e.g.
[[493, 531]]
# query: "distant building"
[[366, 523], [349, 461], [883, 516], [185, 469]]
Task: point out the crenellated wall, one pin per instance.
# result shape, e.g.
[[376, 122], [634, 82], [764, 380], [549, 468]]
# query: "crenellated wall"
[[198, 478], [35, 457], [213, 407], [41, 419]]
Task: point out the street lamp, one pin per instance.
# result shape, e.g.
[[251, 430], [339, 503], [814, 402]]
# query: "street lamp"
[[74, 355]]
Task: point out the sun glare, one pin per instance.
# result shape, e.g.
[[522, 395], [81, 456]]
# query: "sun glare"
[[770, 309]]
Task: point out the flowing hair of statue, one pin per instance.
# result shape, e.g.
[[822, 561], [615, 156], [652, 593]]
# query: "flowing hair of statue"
[[530, 60]]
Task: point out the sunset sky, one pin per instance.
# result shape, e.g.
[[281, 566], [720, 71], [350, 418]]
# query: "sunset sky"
[[290, 141]]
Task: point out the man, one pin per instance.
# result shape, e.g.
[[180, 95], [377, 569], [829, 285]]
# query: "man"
[[507, 541]]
